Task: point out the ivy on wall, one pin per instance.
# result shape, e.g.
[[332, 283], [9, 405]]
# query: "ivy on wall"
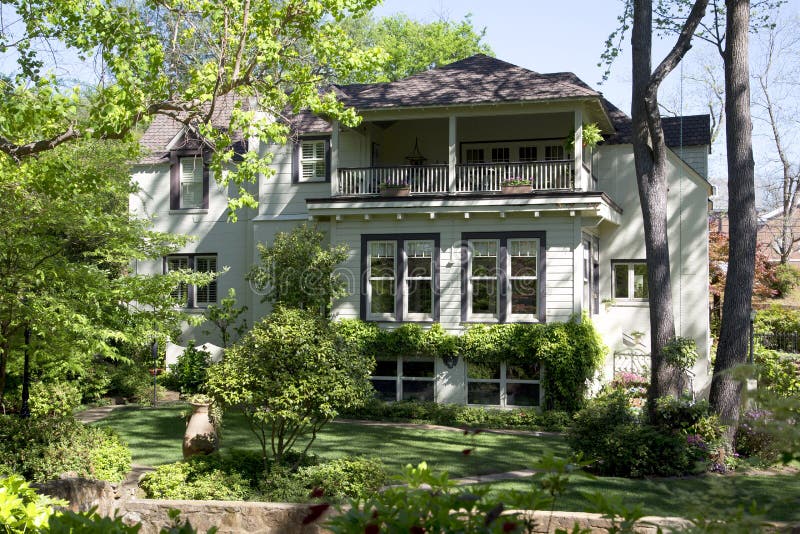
[[570, 352]]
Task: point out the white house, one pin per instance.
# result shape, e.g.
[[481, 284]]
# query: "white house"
[[456, 249]]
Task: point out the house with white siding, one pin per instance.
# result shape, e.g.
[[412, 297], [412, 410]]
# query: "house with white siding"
[[418, 192]]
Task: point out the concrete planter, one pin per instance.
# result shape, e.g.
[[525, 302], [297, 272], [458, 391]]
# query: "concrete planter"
[[200, 436]]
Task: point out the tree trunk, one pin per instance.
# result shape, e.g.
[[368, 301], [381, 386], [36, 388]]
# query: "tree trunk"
[[725, 396], [650, 156]]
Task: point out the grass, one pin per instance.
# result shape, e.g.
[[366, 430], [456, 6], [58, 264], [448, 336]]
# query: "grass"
[[155, 437], [776, 496]]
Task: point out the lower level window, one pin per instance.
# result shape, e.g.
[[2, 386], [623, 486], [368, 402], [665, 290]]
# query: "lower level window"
[[189, 295], [504, 384], [630, 280], [404, 379]]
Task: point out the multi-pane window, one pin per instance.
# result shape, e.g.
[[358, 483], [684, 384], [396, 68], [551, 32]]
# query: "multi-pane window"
[[400, 277], [501, 276], [630, 280], [504, 384], [483, 277], [553, 152], [522, 277], [419, 279], [404, 379], [191, 295], [191, 182], [500, 155], [312, 161], [474, 155], [527, 153], [382, 277]]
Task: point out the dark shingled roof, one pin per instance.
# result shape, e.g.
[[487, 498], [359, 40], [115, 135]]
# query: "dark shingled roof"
[[696, 128], [474, 80]]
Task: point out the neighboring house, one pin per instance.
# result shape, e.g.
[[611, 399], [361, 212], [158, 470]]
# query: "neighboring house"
[[457, 249], [769, 236]]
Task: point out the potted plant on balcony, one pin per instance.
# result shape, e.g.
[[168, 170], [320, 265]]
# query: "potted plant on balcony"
[[392, 189], [515, 186]]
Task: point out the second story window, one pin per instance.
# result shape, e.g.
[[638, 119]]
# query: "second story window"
[[189, 177], [311, 161]]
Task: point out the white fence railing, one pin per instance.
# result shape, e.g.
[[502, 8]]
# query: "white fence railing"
[[470, 178]]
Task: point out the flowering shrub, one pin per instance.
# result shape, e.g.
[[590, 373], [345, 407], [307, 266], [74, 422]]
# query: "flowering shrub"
[[754, 441], [632, 385]]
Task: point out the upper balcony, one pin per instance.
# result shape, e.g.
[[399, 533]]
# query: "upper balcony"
[[461, 155]]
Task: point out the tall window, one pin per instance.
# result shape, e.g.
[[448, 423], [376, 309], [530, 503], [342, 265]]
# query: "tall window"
[[474, 155], [504, 384], [553, 152], [484, 277], [193, 296], [313, 161], [500, 155], [591, 273], [630, 280], [502, 276], [404, 379], [400, 277], [191, 182], [527, 153]]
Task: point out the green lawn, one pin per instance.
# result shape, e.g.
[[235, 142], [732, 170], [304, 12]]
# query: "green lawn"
[[154, 436], [777, 497]]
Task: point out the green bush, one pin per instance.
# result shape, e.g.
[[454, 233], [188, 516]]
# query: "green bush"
[[755, 441], [777, 320], [129, 381], [42, 449], [345, 477], [608, 432], [779, 372], [21, 508], [786, 278], [571, 352], [196, 479], [189, 373], [54, 399]]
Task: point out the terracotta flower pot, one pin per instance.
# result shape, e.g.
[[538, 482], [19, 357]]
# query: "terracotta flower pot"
[[201, 436], [515, 189], [396, 192]]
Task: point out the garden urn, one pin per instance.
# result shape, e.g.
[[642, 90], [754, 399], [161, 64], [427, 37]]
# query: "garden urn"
[[201, 436]]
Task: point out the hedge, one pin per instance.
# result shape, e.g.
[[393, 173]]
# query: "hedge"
[[571, 351]]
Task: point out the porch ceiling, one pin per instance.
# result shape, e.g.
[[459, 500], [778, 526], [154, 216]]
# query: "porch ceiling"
[[587, 204]]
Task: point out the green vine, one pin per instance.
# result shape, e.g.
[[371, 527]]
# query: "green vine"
[[571, 352]]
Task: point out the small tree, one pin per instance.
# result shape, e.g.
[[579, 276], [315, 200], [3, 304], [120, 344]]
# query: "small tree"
[[296, 271], [290, 375], [225, 318]]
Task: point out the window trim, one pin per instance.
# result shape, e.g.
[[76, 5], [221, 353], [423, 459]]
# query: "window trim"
[[191, 291], [297, 155], [401, 263], [175, 157], [504, 312], [630, 263], [399, 378], [503, 382], [495, 278]]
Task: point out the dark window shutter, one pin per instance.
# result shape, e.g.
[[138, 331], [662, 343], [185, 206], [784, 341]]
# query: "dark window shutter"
[[295, 162], [205, 181], [327, 160], [174, 182]]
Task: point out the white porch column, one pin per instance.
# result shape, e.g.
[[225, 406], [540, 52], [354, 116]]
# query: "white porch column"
[[452, 155], [577, 264], [580, 179], [335, 158]]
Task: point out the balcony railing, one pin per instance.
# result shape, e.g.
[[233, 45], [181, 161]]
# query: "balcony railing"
[[470, 178]]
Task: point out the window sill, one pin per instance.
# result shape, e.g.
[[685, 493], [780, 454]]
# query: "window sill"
[[631, 304], [189, 211]]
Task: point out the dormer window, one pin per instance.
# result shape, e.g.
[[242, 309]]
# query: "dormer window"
[[188, 181]]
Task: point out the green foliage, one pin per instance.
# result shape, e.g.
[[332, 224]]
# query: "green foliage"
[[42, 449], [226, 317], [21, 508], [777, 320], [681, 353], [296, 271], [291, 375], [410, 46], [754, 440], [571, 352], [787, 277], [778, 372], [195, 479], [345, 477], [190, 372], [608, 432], [463, 416], [57, 399]]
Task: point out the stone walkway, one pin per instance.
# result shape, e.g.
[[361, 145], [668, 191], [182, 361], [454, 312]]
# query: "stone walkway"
[[131, 483]]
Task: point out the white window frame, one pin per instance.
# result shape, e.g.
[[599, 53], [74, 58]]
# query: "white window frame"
[[470, 280], [192, 179], [211, 287], [510, 278], [187, 293], [318, 149], [413, 316], [540, 146], [399, 378], [503, 381], [630, 264], [381, 316]]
